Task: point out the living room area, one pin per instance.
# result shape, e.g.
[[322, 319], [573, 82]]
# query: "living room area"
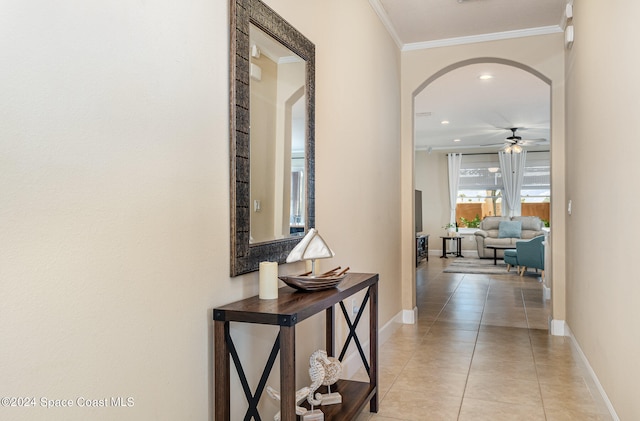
[[481, 189]]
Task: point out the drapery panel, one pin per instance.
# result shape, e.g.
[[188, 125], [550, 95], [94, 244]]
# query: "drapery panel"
[[512, 166], [454, 160]]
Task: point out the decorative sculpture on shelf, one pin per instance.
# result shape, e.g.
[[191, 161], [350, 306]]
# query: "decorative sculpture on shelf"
[[310, 248], [300, 396], [325, 371]]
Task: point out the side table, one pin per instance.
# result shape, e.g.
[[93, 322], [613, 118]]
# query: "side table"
[[458, 246]]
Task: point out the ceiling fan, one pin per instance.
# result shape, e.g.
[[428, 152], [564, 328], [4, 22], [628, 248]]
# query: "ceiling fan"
[[514, 143]]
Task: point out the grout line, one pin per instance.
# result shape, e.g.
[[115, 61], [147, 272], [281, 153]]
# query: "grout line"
[[516, 292], [473, 353], [535, 364], [494, 287], [418, 342]]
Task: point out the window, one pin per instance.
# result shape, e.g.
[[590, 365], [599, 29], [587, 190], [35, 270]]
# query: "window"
[[480, 188]]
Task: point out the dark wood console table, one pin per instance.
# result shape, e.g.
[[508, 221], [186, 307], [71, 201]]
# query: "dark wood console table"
[[290, 308]]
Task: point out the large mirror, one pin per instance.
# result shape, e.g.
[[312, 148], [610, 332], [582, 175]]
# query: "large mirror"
[[272, 135]]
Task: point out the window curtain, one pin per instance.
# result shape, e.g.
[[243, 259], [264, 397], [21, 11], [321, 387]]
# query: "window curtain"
[[455, 159], [512, 165]]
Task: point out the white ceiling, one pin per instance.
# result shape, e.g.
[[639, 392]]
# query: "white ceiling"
[[479, 111]]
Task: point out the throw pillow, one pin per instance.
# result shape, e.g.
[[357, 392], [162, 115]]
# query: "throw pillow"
[[510, 229]]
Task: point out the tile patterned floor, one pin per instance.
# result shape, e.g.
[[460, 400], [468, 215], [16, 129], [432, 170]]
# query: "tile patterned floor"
[[480, 350]]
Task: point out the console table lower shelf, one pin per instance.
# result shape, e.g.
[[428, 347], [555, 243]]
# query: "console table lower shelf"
[[290, 308], [355, 396]]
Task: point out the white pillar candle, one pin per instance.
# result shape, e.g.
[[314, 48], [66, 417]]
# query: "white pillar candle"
[[268, 280]]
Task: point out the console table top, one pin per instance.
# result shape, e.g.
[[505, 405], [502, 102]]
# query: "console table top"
[[292, 306]]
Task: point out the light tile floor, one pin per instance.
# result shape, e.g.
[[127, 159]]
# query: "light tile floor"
[[480, 350]]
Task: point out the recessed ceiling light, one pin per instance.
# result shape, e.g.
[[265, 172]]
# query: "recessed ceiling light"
[[457, 140], [485, 77], [444, 122]]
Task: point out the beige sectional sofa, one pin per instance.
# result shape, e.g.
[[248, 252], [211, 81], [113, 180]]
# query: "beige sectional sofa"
[[489, 233]]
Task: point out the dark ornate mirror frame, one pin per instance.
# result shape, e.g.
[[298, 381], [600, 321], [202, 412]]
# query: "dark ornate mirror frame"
[[246, 257]]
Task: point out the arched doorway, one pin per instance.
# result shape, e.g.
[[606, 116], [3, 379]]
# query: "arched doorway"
[[469, 108]]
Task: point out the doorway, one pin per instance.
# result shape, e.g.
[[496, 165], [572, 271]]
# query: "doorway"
[[471, 108]]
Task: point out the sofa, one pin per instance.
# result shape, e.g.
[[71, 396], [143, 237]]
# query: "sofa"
[[516, 228]]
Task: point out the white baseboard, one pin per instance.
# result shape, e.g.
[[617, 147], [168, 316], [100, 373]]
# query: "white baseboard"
[[409, 317], [352, 363], [557, 327], [592, 373], [546, 292], [466, 253]]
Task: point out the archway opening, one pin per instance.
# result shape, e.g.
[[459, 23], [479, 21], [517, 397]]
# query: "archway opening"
[[471, 108]]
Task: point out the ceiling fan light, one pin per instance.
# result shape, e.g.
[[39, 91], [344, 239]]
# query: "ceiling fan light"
[[516, 148], [493, 169]]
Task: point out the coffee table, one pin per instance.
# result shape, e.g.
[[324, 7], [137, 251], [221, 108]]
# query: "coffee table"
[[495, 251]]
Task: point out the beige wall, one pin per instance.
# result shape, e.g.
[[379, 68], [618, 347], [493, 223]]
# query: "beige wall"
[[603, 94], [114, 188], [431, 176], [544, 54]]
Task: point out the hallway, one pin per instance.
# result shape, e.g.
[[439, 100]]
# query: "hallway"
[[481, 351]]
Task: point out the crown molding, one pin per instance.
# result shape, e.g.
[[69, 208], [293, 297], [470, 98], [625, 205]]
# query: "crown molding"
[[384, 18], [520, 33], [496, 36]]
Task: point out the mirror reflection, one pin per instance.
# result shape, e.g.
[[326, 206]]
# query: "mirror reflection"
[[272, 158], [277, 118]]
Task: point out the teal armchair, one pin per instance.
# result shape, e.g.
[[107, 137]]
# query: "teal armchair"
[[511, 259], [529, 254]]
